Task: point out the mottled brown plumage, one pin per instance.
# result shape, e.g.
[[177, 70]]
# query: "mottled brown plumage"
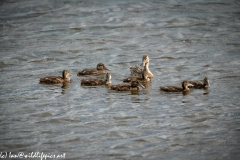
[[200, 85], [145, 76], [133, 86], [56, 79], [185, 85], [100, 69], [97, 81]]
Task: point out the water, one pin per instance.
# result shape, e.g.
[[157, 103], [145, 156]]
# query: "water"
[[184, 40]]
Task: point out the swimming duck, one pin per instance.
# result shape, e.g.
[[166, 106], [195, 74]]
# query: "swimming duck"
[[133, 86], [145, 76], [96, 81], [185, 85], [136, 71], [101, 69], [56, 79], [200, 85]]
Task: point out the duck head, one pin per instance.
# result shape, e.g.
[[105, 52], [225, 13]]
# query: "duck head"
[[185, 85], [206, 82], [145, 59], [65, 74], [101, 66], [107, 78], [136, 84]]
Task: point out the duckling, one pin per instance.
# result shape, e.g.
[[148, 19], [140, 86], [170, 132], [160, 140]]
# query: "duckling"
[[133, 86], [96, 81], [136, 71], [145, 76], [185, 85], [56, 79], [101, 69], [199, 85]]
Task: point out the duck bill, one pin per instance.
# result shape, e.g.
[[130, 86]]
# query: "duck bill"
[[106, 69], [190, 85], [141, 85]]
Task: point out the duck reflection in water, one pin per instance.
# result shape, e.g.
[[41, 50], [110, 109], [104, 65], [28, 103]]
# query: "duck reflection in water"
[[65, 86]]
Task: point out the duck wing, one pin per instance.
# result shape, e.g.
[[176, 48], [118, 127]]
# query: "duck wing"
[[120, 87], [171, 88], [196, 84], [87, 71], [136, 71], [51, 79], [92, 82]]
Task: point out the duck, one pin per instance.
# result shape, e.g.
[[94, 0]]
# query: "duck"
[[100, 69], [145, 76], [184, 88], [133, 86], [97, 81], [137, 71], [56, 79], [200, 85]]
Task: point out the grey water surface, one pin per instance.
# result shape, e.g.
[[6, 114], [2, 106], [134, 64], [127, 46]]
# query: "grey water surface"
[[185, 40]]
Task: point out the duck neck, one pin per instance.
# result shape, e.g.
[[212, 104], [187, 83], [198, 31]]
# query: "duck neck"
[[66, 78], [145, 71], [107, 79], [64, 75], [205, 83], [146, 67], [185, 87]]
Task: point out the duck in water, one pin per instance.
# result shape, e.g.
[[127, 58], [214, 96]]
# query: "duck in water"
[[136, 71], [97, 81], [200, 85], [133, 86], [56, 79], [183, 88], [100, 69]]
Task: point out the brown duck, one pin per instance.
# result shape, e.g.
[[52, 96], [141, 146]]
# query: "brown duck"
[[145, 75], [136, 71], [185, 85], [100, 69], [97, 81], [56, 79], [133, 86], [199, 85]]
